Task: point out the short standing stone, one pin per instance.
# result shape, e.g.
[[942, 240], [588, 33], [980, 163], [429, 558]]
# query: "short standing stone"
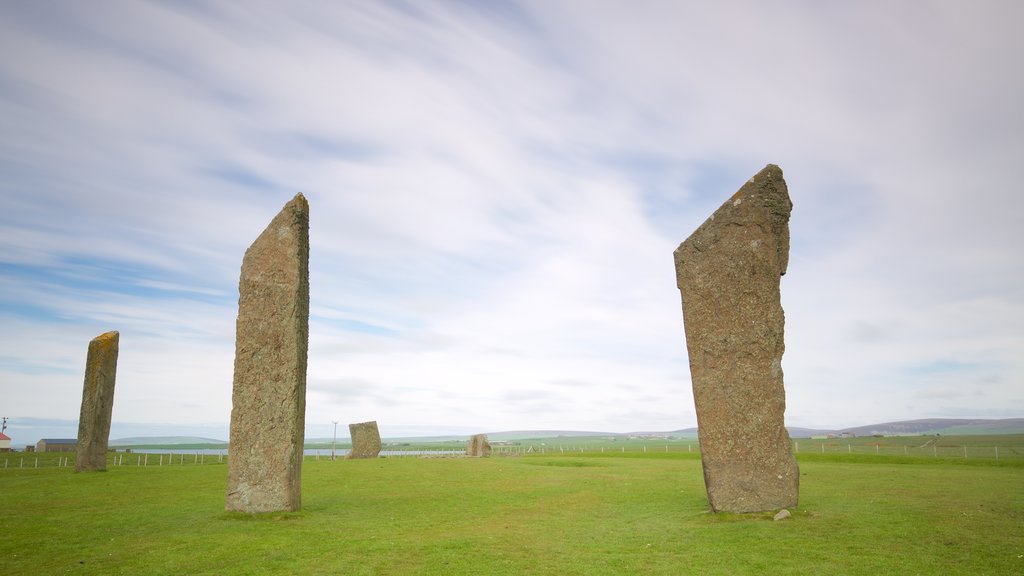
[[97, 403], [365, 440], [478, 446], [728, 272], [271, 342]]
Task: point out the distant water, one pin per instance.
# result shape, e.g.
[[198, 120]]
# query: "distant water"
[[340, 452]]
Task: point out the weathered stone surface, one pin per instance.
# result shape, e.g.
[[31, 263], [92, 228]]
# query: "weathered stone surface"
[[271, 340], [97, 403], [782, 515], [478, 446], [728, 273], [365, 440]]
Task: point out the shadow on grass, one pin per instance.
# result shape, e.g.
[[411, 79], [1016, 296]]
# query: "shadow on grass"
[[709, 517], [263, 516]]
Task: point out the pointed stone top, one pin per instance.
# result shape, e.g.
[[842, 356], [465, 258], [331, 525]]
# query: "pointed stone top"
[[761, 203], [298, 205], [768, 177]]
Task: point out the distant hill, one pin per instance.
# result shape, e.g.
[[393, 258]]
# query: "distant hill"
[[794, 432], [532, 434], [161, 440], [948, 426], [945, 426]]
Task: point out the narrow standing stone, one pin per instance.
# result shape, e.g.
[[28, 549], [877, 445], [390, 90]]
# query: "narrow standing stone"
[[268, 398], [365, 440], [478, 446], [728, 273], [97, 403]]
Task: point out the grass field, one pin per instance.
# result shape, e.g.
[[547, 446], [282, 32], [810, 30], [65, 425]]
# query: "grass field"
[[590, 513]]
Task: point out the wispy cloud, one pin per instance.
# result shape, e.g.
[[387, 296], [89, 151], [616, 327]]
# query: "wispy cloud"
[[496, 191]]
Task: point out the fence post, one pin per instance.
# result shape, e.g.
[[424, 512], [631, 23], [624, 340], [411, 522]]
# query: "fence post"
[[849, 448], [965, 451], [935, 450], [904, 449], [822, 447], [997, 453]]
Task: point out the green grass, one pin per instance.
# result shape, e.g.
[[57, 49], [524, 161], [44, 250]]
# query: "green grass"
[[582, 514]]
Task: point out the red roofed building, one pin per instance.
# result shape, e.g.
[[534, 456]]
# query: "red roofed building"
[[5, 442]]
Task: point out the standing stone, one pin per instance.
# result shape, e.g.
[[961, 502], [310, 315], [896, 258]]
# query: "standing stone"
[[728, 272], [268, 399], [97, 403], [365, 440], [478, 446]]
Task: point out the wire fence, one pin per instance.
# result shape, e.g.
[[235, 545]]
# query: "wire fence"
[[187, 458], [934, 449], [927, 449]]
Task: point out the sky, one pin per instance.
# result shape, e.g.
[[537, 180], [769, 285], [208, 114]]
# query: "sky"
[[495, 191]]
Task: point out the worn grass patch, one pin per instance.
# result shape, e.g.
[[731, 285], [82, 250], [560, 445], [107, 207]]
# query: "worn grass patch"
[[529, 515]]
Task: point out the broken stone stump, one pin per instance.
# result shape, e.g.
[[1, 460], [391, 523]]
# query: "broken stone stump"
[[478, 446], [728, 272], [268, 400], [365, 440], [97, 403]]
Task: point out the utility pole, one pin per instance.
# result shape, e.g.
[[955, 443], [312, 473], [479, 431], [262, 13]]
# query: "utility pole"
[[2, 430], [335, 441]]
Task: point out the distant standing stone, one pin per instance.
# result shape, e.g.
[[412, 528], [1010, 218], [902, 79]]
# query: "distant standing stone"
[[271, 341], [478, 446], [97, 403], [365, 440], [728, 273]]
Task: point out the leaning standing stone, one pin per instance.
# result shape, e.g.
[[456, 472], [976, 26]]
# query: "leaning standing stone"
[[268, 399], [728, 273], [97, 403], [365, 440], [478, 446]]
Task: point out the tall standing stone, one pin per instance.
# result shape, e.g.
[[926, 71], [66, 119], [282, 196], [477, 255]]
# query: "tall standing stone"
[[97, 403], [728, 273], [478, 446], [365, 440], [268, 399]]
